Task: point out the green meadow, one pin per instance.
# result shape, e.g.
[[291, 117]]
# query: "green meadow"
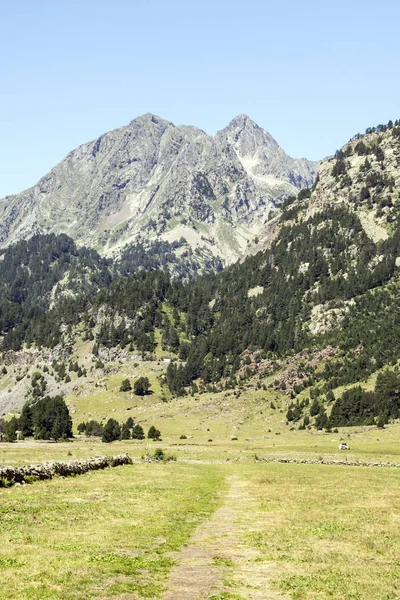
[[214, 524]]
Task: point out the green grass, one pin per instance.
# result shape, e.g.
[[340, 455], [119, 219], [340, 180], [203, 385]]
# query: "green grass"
[[259, 429], [321, 532], [101, 535], [329, 532]]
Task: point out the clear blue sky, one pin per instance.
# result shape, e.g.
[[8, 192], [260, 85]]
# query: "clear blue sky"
[[311, 73]]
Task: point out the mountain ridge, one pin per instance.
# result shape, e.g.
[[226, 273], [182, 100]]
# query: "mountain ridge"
[[309, 317], [152, 180]]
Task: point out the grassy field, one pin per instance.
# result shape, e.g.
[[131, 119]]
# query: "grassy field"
[[329, 532], [102, 535], [214, 524], [210, 421]]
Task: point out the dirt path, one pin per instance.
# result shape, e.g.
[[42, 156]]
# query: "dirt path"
[[217, 554]]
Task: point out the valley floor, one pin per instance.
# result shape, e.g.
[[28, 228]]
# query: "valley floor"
[[213, 525]]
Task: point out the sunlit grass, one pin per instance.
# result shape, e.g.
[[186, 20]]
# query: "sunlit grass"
[[102, 534], [329, 532]]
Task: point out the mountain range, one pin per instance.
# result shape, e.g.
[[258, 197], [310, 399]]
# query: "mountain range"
[[310, 310], [152, 181]]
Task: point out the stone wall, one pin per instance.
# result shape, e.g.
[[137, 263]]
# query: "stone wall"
[[48, 470], [344, 463]]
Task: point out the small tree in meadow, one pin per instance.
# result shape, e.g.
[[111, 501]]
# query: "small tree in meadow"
[[154, 434], [111, 432], [94, 428], [137, 432], [125, 386], [25, 423], [125, 433], [11, 430], [81, 427], [142, 386]]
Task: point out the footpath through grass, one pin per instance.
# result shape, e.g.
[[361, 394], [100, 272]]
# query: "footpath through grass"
[[314, 532], [104, 534]]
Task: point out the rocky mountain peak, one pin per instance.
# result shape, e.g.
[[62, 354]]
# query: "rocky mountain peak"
[[241, 122], [241, 127], [153, 181], [149, 119], [262, 157]]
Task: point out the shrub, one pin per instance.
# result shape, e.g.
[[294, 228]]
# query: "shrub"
[[125, 386], [6, 483], [94, 428], [31, 478], [159, 454], [381, 422], [142, 386]]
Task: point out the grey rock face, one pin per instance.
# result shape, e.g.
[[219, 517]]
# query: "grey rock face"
[[262, 157], [154, 180]]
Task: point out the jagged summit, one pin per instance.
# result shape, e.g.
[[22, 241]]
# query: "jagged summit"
[[150, 119], [242, 120], [244, 133], [263, 158], [153, 180]]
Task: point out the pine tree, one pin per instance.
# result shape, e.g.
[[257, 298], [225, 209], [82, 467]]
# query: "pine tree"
[[81, 427], [137, 433], [314, 408], [141, 386], [25, 423], [289, 414], [10, 430], [111, 432], [154, 433], [322, 419], [51, 417], [125, 433]]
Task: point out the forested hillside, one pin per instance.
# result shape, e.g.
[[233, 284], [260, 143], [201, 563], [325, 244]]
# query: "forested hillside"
[[40, 273], [325, 294]]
